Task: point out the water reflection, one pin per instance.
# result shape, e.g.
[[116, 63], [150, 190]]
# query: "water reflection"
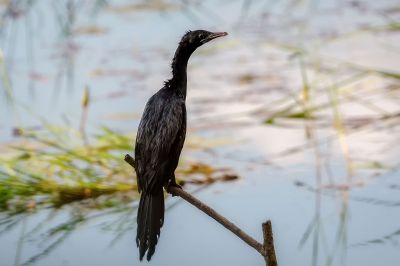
[[303, 93]]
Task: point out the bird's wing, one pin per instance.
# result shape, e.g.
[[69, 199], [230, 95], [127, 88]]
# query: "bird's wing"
[[158, 130]]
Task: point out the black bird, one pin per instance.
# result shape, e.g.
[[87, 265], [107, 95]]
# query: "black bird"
[[159, 142]]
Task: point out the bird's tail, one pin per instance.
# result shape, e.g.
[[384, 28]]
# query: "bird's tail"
[[150, 219]]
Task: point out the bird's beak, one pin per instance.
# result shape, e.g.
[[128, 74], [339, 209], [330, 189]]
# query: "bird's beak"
[[215, 35]]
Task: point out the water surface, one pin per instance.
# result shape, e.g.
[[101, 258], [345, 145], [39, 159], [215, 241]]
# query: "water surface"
[[329, 184]]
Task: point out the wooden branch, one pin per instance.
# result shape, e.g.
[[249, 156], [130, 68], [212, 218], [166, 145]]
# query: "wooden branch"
[[216, 216], [267, 250], [130, 160]]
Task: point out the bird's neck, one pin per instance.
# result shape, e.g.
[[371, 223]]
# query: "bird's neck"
[[179, 69]]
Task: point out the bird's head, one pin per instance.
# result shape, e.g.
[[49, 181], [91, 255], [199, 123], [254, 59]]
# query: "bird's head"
[[196, 38]]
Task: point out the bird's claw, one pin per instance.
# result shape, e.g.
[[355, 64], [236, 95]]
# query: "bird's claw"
[[173, 184]]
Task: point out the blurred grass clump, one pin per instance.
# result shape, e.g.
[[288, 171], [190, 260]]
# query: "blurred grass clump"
[[55, 166]]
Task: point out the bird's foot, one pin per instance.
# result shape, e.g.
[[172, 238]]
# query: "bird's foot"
[[172, 183]]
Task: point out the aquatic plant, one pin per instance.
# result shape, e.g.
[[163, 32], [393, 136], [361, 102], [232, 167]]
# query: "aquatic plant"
[[53, 166]]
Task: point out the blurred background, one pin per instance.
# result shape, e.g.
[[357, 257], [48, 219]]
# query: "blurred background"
[[293, 117]]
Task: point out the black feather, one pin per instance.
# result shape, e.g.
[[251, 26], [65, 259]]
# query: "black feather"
[[159, 142]]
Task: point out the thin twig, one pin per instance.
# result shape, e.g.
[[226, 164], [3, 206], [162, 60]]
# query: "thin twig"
[[266, 250], [130, 160], [216, 216]]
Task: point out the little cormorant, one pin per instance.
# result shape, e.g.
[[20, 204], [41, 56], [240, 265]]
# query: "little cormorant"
[[159, 142]]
